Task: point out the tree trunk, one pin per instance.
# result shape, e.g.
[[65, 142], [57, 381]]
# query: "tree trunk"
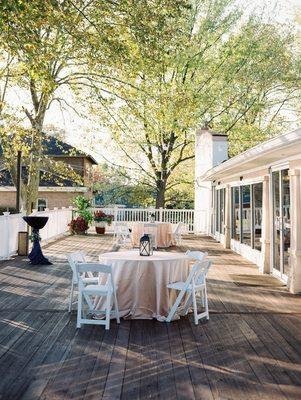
[[34, 169], [160, 194]]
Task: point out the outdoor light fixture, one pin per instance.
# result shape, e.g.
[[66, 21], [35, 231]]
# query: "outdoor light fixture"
[[146, 246]]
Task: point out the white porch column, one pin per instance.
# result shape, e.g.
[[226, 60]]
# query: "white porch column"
[[294, 278], [266, 227], [227, 244], [211, 149]]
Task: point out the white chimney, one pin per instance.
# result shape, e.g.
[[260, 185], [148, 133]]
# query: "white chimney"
[[211, 149]]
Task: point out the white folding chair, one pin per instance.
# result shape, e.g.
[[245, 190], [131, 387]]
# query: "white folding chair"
[[88, 278], [195, 282], [177, 233], [122, 234], [106, 290], [151, 230], [196, 255]]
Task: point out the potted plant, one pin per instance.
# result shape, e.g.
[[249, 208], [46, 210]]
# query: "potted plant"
[[78, 226], [101, 219], [82, 204]]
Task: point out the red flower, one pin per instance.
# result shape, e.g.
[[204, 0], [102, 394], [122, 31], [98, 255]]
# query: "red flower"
[[78, 225]]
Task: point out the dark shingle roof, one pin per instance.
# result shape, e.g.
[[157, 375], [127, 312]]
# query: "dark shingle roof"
[[53, 147], [58, 148]]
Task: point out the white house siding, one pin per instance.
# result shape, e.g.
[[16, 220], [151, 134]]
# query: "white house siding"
[[248, 171]]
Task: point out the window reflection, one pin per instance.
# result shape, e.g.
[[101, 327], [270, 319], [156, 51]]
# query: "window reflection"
[[222, 211], [246, 215], [235, 219], [286, 220], [257, 209], [213, 210], [217, 216], [248, 207], [276, 220]]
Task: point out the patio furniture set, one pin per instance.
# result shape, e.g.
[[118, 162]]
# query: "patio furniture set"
[[163, 285]]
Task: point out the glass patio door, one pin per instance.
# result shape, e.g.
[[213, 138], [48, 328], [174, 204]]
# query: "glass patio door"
[[281, 222]]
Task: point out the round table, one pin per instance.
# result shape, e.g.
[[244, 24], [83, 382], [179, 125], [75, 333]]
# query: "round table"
[[164, 233], [142, 280]]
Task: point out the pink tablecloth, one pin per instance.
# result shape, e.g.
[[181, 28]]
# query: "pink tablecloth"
[[142, 291], [164, 233]]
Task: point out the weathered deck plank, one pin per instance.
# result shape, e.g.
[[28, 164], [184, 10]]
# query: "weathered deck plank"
[[250, 348]]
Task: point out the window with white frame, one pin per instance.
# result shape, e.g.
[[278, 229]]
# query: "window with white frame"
[[213, 205], [222, 210], [257, 189], [235, 213], [42, 204], [246, 214], [218, 220]]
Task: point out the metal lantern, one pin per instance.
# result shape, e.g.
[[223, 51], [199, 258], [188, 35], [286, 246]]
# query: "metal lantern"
[[146, 245]]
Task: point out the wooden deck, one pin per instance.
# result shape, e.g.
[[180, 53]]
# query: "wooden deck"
[[250, 348]]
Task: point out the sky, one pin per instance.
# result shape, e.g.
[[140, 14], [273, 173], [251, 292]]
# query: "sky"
[[81, 131]]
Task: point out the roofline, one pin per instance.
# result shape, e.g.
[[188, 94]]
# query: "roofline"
[[254, 152], [74, 156], [52, 189]]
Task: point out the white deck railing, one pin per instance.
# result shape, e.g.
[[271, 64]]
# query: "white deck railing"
[[188, 217], [11, 224]]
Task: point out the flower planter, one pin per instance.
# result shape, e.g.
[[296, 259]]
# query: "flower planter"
[[101, 220], [100, 228], [78, 226]]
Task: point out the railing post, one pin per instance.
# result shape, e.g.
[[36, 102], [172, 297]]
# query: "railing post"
[[115, 213], [8, 238], [161, 214]]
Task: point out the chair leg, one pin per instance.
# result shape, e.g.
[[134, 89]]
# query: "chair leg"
[[187, 305], [203, 298], [116, 309], [195, 309], [71, 296], [79, 309], [89, 302], [206, 303], [108, 311], [175, 306]]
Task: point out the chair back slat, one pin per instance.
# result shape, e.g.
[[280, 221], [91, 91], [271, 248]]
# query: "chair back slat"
[[196, 255], [199, 269], [73, 259], [103, 269], [94, 267], [178, 228], [202, 271], [120, 227]]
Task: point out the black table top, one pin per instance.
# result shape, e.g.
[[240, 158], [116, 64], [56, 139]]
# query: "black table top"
[[36, 222]]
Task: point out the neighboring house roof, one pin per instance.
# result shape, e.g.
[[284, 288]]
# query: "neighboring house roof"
[[58, 148], [53, 147], [264, 154]]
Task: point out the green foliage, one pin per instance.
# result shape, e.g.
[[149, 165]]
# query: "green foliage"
[[214, 66], [153, 71], [49, 46], [82, 204]]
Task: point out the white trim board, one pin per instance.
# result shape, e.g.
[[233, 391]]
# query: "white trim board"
[[258, 152]]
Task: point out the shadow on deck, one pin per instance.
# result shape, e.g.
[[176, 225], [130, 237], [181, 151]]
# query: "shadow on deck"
[[250, 348]]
